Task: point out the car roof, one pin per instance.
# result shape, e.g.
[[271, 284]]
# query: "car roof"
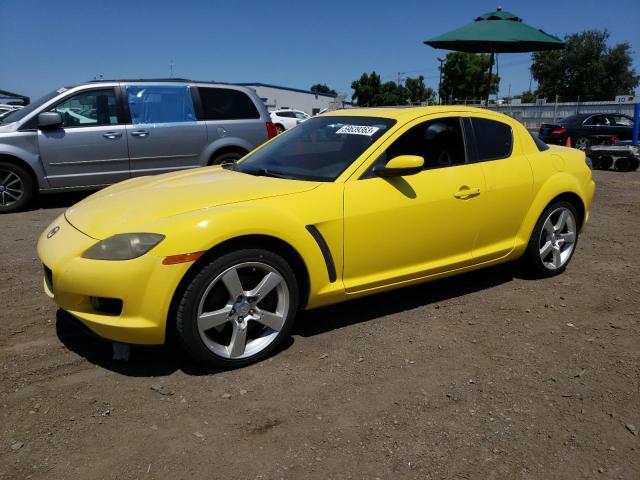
[[407, 113]]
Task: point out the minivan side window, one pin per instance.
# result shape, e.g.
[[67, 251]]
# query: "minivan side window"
[[151, 104], [494, 140], [91, 108], [226, 104]]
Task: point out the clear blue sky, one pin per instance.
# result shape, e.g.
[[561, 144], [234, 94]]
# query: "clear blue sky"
[[45, 44]]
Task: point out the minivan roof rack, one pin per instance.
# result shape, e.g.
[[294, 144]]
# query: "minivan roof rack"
[[144, 80]]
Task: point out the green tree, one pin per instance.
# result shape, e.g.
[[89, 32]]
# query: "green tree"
[[369, 91], [418, 92], [587, 68], [465, 75], [528, 97], [322, 88]]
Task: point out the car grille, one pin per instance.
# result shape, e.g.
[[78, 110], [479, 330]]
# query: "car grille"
[[48, 277]]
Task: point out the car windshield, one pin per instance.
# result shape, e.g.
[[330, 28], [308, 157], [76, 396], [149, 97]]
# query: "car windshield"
[[319, 149], [19, 114]]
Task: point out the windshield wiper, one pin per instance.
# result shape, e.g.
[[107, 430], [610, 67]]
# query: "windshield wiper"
[[264, 172]]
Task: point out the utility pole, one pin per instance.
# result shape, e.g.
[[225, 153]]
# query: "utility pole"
[[171, 68], [400, 77], [441, 60]]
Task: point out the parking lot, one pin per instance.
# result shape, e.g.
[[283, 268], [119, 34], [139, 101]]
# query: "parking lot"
[[487, 375]]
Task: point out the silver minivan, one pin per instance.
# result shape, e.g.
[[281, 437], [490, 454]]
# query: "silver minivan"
[[99, 133]]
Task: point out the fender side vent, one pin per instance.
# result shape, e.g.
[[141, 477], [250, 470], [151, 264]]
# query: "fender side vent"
[[326, 253]]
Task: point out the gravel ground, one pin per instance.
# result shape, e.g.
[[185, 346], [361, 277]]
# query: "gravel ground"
[[487, 375]]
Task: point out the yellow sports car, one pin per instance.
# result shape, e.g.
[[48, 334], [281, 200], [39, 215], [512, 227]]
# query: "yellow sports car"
[[347, 204]]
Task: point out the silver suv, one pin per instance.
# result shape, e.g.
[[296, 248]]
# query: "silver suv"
[[98, 133]]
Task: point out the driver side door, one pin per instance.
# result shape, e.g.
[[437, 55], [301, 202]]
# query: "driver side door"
[[90, 147], [404, 228]]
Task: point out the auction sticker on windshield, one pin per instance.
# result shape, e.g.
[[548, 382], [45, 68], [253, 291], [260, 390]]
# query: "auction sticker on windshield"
[[357, 130]]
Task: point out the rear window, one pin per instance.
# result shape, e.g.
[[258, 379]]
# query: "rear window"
[[226, 104], [494, 140]]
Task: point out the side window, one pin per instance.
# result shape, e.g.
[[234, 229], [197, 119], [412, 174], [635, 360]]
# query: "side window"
[[89, 109], [226, 104], [440, 142], [285, 114], [597, 121], [151, 104], [300, 115], [622, 121], [494, 140]]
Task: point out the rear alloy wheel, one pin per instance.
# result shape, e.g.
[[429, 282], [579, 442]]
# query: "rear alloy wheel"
[[16, 187], [582, 143], [279, 128], [553, 240], [238, 309]]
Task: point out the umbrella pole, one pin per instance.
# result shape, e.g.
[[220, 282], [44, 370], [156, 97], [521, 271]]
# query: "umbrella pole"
[[489, 79]]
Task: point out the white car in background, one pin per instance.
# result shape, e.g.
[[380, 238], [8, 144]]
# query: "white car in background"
[[284, 119]]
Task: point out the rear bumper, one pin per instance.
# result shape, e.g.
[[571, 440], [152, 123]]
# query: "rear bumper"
[[144, 285]]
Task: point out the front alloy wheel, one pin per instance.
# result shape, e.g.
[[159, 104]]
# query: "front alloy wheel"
[[238, 309], [16, 187]]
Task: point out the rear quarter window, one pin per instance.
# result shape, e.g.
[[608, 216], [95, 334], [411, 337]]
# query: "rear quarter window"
[[226, 104], [539, 143], [494, 140]]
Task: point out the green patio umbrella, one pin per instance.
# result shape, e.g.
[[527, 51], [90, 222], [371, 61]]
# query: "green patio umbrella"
[[496, 32]]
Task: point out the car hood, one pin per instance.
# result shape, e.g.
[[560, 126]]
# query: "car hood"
[[134, 203]]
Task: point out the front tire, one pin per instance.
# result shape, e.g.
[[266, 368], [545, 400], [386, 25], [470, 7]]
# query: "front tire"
[[238, 309], [16, 187], [553, 240]]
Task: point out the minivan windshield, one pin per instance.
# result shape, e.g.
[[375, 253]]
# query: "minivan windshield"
[[23, 112], [319, 149]]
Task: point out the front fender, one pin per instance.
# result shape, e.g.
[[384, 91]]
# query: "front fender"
[[203, 230], [26, 152]]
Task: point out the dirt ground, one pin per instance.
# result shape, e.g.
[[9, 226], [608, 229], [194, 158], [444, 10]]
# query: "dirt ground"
[[484, 376]]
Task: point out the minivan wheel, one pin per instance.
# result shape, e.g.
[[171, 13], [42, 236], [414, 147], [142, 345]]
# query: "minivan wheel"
[[553, 240], [223, 158], [238, 308], [16, 187]]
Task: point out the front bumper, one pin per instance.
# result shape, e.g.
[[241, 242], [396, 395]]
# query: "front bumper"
[[144, 285]]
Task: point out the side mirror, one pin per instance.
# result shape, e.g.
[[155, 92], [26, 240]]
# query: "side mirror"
[[401, 166], [49, 120]]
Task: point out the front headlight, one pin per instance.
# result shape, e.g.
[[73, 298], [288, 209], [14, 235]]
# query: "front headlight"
[[124, 246]]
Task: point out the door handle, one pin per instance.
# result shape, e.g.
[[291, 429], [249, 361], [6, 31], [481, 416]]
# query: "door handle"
[[467, 192], [112, 135], [140, 133]]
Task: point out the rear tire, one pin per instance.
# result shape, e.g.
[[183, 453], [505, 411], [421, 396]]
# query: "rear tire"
[[553, 240], [238, 309], [228, 157], [280, 128], [606, 162], [582, 143], [17, 187], [626, 164]]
